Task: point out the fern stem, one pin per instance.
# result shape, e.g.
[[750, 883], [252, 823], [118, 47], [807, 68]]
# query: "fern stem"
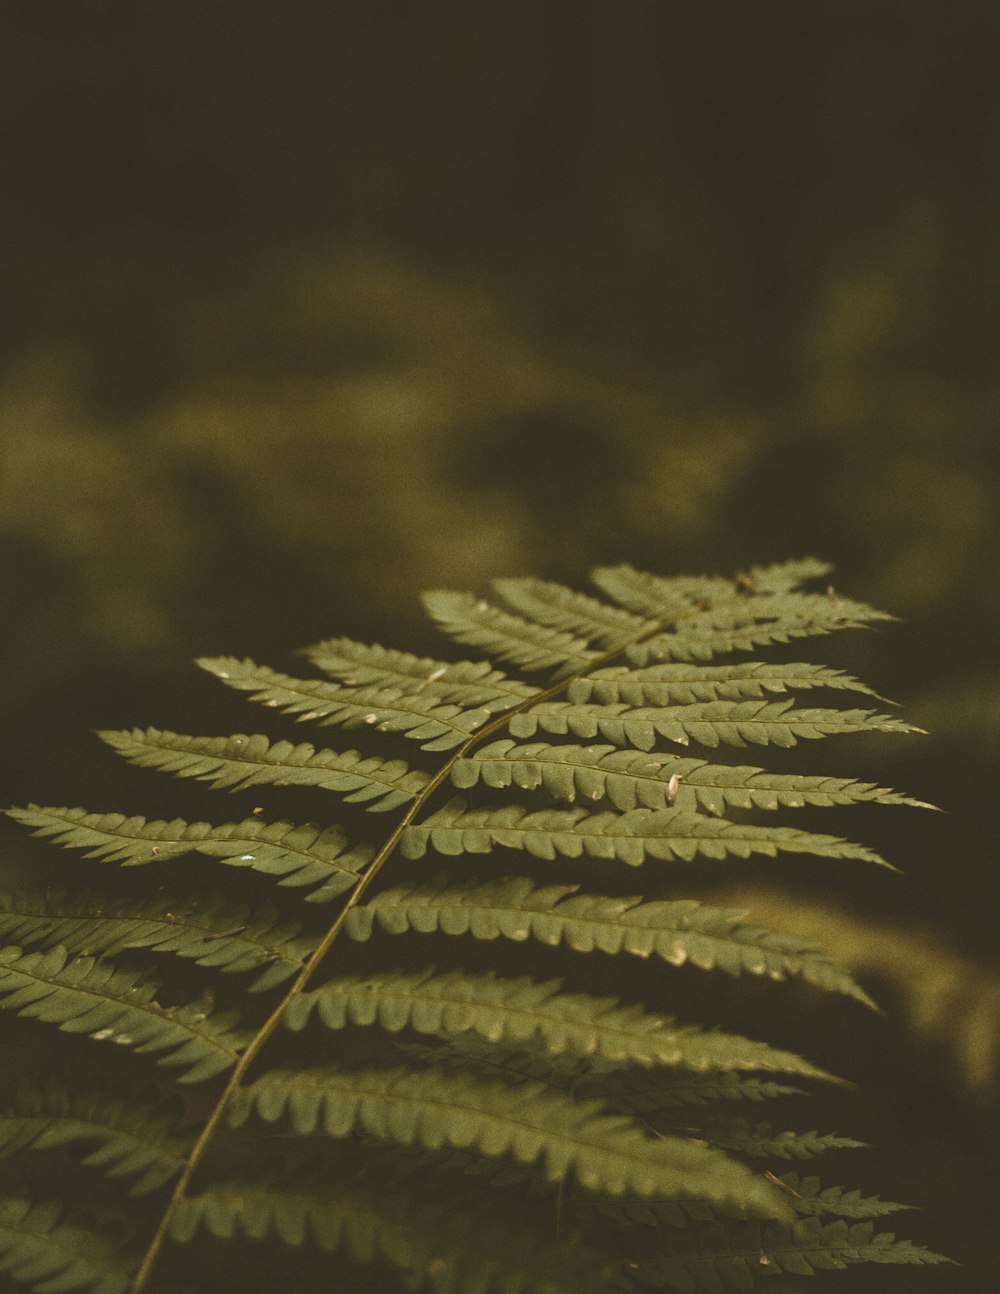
[[263, 1035]]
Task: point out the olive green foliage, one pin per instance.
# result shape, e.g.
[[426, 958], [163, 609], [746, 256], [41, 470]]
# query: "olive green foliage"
[[944, 995], [381, 1038], [459, 429]]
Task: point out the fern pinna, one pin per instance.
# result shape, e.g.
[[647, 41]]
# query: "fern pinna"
[[420, 1091]]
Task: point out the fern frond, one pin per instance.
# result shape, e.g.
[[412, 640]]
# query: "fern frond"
[[632, 780], [661, 598], [469, 684], [516, 1010], [475, 1245], [810, 1198], [762, 593], [760, 1141], [719, 633], [558, 607], [629, 837], [208, 929], [720, 1258], [677, 932], [238, 762], [683, 684], [529, 1122], [301, 854], [532, 646], [419, 716], [647, 1091], [714, 617], [709, 723], [134, 1136], [807, 1197], [469, 1115], [783, 577], [634, 1091], [85, 995], [54, 1253]]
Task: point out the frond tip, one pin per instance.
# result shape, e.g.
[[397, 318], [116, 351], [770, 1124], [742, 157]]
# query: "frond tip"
[[719, 1258]]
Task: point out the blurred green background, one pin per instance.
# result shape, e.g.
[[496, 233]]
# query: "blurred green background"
[[312, 305]]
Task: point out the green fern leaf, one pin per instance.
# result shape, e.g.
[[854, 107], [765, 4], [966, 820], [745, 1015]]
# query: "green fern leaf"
[[668, 599], [516, 1010], [716, 1259], [764, 593], [720, 633], [208, 929], [476, 623], [473, 1246], [648, 1092], [683, 684], [135, 1136], [38, 1245], [558, 607], [469, 684], [93, 997], [299, 854], [759, 1141], [714, 617], [630, 837], [709, 723], [529, 1122], [419, 716], [810, 1198], [638, 1092], [783, 577], [806, 1196], [677, 932], [631, 780], [238, 762]]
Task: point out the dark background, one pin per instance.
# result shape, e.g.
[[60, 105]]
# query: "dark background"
[[312, 305]]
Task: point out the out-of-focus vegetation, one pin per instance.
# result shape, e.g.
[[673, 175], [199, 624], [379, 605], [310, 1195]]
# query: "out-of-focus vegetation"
[[949, 998], [383, 424]]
